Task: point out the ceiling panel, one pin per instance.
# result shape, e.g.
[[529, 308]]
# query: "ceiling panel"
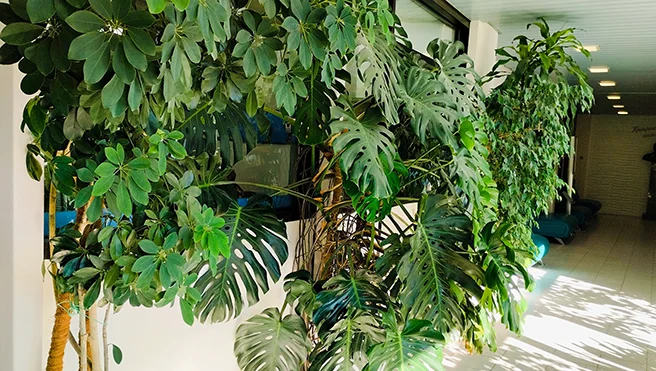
[[625, 31]]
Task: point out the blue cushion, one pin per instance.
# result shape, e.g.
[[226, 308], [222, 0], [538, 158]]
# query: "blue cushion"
[[556, 225], [542, 245]]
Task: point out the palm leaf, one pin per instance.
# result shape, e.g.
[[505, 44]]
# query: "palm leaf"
[[411, 346], [368, 151], [270, 342], [258, 246], [359, 290], [435, 262], [346, 345], [457, 74], [429, 107]]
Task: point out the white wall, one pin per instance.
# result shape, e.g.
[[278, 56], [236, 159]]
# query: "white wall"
[[483, 41], [615, 173], [21, 237], [158, 339]]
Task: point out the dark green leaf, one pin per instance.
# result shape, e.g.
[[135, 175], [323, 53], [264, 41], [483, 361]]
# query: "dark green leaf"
[[123, 199], [139, 19], [20, 33], [113, 91], [142, 41], [92, 295], [102, 7], [102, 185], [117, 354], [40, 10], [84, 21], [96, 66]]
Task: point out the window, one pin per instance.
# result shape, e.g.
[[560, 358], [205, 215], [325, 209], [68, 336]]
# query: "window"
[[425, 20]]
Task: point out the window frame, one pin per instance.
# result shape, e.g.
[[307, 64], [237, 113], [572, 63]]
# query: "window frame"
[[447, 14]]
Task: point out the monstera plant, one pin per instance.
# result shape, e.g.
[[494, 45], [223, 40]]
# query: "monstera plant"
[[142, 108]]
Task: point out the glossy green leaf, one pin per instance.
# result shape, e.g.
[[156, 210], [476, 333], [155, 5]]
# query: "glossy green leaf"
[[84, 21], [40, 10], [270, 340], [97, 64], [20, 33]]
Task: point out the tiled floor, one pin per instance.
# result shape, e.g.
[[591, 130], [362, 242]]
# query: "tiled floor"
[[593, 308]]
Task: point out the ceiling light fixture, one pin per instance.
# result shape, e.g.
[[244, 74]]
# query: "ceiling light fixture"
[[599, 69], [591, 48], [620, 106], [614, 97], [607, 83], [622, 113]]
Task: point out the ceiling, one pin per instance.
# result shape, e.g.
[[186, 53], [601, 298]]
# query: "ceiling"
[[624, 30]]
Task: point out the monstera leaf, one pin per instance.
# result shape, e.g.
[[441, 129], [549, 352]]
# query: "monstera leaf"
[[436, 262], [229, 130], [368, 151], [409, 346], [270, 342], [258, 249], [346, 345], [313, 114], [457, 74], [344, 291], [430, 108], [378, 66]]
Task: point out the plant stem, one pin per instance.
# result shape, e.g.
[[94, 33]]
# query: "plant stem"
[[266, 186], [104, 336], [83, 329], [94, 340]]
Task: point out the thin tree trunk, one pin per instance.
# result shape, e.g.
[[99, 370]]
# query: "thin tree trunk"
[[83, 330], [62, 325], [94, 339], [104, 336], [60, 331]]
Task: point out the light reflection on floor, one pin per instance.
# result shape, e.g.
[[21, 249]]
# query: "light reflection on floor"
[[593, 307]]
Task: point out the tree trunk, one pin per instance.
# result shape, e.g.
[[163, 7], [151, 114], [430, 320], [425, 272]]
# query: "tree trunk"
[[59, 333], [83, 329], [94, 339]]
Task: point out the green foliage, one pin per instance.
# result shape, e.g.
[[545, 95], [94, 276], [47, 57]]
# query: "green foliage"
[[530, 122], [143, 108], [271, 341]]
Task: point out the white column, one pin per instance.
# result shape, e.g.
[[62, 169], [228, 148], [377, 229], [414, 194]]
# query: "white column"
[[483, 41], [21, 237]]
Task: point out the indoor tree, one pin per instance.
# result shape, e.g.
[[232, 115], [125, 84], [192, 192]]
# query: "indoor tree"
[[531, 119], [141, 109]]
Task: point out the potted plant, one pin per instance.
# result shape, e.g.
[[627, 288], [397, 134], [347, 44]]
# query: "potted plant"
[[143, 108]]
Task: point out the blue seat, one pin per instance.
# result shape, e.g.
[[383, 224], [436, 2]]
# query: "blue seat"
[[558, 226], [542, 245]]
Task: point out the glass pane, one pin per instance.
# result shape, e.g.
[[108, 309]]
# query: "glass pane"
[[421, 24]]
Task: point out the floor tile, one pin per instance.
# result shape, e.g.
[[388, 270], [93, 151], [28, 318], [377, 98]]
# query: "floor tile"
[[593, 307]]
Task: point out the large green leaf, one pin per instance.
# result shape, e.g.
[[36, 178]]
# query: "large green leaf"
[[345, 291], [409, 346], [436, 261], [345, 346], [378, 66], [367, 150], [230, 130], [270, 342], [313, 114], [431, 110], [258, 249], [456, 72]]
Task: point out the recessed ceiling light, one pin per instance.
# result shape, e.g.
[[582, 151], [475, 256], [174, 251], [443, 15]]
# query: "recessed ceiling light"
[[614, 97], [622, 113], [599, 69], [620, 106], [591, 48], [607, 83]]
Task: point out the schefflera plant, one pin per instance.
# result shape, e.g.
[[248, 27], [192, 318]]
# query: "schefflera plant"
[[141, 111]]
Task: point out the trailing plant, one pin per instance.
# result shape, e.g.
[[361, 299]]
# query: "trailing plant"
[[531, 120], [142, 109]]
